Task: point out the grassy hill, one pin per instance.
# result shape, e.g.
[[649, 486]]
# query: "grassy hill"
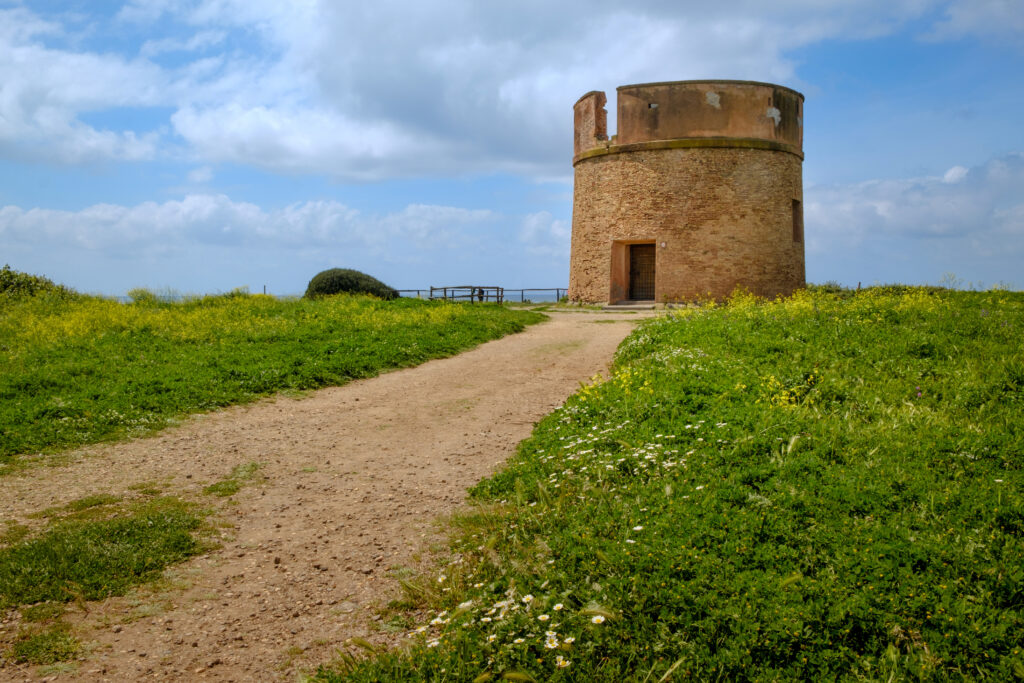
[[822, 488]]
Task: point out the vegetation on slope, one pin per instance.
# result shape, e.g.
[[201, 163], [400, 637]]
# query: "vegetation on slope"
[[347, 281], [826, 487], [15, 284], [89, 369]]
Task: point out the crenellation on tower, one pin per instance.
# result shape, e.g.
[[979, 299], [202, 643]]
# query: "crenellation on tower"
[[590, 122]]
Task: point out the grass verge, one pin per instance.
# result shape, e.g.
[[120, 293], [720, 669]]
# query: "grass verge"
[[81, 370], [91, 559], [822, 488], [47, 646], [92, 548]]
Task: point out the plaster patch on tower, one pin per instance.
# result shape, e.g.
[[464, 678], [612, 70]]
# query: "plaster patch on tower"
[[774, 114], [714, 99]]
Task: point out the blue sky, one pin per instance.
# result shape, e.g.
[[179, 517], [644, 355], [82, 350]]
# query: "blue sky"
[[203, 145]]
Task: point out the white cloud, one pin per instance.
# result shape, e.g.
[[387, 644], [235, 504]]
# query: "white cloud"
[[198, 42], [209, 242], [961, 202], [18, 25], [146, 11], [203, 174], [988, 19], [969, 220], [954, 174], [45, 90], [427, 227], [292, 139], [546, 236], [373, 90], [202, 219]]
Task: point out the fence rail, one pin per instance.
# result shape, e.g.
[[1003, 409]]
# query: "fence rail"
[[462, 293], [537, 294]]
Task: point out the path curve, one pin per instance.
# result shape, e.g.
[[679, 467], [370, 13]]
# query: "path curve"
[[354, 478]]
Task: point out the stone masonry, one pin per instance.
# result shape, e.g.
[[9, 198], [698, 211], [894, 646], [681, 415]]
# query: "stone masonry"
[[708, 172]]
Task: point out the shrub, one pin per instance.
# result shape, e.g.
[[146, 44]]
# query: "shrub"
[[338, 280], [143, 296], [14, 283]]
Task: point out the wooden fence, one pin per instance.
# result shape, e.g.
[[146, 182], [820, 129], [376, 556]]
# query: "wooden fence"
[[468, 293], [499, 294]]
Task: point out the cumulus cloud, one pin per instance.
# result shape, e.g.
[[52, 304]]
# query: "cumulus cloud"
[[954, 174], [282, 138], [145, 11], [206, 219], [45, 90], [546, 236], [961, 221], [990, 19], [210, 242], [961, 202], [198, 42], [363, 91]]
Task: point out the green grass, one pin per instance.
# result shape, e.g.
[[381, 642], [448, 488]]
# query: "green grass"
[[80, 508], [77, 559], [822, 488], [234, 482], [42, 612], [48, 646], [81, 370], [13, 532]]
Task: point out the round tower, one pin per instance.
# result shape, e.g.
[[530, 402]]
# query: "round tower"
[[700, 191]]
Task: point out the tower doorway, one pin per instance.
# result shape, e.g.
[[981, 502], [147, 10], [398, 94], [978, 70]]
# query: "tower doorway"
[[641, 272]]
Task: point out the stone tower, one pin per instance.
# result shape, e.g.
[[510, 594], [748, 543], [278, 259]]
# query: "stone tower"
[[700, 191]]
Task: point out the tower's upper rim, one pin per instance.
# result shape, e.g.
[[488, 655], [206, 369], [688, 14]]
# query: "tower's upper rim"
[[709, 81]]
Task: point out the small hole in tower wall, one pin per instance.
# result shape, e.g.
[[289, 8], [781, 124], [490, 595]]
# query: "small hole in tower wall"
[[652, 105]]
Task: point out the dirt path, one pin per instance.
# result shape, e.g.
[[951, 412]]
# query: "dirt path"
[[354, 477]]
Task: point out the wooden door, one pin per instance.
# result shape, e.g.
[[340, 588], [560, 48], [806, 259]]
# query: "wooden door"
[[641, 272]]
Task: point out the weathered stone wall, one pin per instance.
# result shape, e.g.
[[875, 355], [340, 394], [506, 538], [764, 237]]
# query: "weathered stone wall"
[[697, 109], [719, 218], [719, 209], [590, 122]]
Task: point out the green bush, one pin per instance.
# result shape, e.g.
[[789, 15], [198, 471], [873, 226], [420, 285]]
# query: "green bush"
[[144, 296], [14, 283], [338, 280]]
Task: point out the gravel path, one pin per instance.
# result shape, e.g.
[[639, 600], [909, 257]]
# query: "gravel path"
[[352, 480]]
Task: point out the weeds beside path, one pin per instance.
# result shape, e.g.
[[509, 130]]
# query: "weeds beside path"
[[328, 498]]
